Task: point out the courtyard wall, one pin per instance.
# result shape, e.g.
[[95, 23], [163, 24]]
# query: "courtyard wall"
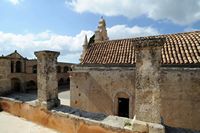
[[94, 89]]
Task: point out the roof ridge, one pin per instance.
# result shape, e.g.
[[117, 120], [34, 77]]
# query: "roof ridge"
[[147, 37]]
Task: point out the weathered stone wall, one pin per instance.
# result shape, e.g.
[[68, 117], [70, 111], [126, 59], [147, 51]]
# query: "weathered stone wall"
[[147, 86], [63, 122], [180, 94], [96, 89], [29, 66], [93, 89], [5, 84]]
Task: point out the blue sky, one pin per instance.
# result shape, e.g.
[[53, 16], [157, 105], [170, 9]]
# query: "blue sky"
[[31, 25]]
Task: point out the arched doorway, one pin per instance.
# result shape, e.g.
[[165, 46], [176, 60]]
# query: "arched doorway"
[[68, 83], [15, 84], [122, 104], [60, 82], [18, 66], [123, 107], [31, 85]]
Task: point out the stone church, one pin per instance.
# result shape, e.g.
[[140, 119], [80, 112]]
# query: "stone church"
[[141, 77], [20, 74]]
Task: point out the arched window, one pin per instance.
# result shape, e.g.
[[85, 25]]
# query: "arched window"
[[58, 69], [34, 69], [18, 66], [12, 66], [66, 69]]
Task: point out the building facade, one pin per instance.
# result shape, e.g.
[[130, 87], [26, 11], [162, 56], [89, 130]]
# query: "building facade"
[[20, 74], [106, 80]]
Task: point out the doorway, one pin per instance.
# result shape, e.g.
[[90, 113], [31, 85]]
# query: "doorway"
[[123, 107], [16, 84]]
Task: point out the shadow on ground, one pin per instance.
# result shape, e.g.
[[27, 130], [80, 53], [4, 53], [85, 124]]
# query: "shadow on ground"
[[24, 97], [81, 113], [169, 129]]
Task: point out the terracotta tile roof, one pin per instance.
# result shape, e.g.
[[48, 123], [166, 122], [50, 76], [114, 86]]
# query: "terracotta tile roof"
[[180, 48]]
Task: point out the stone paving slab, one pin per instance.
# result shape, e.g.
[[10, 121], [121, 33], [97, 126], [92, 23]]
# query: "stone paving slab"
[[13, 124]]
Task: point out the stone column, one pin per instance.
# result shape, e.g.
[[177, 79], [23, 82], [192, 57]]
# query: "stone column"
[[47, 79], [148, 59]]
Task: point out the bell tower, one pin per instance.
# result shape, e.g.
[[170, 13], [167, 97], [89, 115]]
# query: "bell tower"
[[101, 32]]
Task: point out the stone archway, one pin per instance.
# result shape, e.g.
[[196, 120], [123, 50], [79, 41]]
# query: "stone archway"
[[123, 104], [16, 84]]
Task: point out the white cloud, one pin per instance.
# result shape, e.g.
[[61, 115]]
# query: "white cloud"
[[26, 44], [69, 46], [15, 2], [182, 12], [122, 31]]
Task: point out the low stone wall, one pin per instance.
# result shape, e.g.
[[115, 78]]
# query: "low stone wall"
[[62, 122]]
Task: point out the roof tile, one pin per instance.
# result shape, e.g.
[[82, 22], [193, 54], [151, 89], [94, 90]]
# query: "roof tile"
[[180, 48]]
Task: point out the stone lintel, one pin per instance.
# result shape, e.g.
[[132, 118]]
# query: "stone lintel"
[[152, 42]]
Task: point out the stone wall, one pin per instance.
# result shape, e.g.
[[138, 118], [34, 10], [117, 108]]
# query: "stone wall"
[[96, 89], [63, 122], [5, 84], [147, 86], [180, 94]]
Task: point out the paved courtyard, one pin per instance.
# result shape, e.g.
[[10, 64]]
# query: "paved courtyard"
[[13, 124], [64, 96], [30, 97]]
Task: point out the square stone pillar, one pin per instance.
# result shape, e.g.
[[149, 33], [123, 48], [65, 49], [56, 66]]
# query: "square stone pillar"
[[47, 79], [148, 59]]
